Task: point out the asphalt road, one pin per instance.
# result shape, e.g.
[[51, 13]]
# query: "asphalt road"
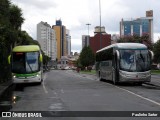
[[70, 91]]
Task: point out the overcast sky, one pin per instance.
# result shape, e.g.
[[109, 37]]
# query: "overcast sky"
[[75, 14]]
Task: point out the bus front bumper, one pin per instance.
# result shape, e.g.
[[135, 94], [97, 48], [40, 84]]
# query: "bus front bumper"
[[33, 79], [135, 76]]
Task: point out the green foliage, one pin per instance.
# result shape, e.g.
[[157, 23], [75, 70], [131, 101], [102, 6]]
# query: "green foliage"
[[25, 39], [156, 50], [144, 39], [78, 63], [46, 59], [155, 71], [10, 35], [87, 56], [15, 17], [4, 13]]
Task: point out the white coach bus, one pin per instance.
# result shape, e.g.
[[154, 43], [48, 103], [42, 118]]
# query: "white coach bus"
[[124, 62]]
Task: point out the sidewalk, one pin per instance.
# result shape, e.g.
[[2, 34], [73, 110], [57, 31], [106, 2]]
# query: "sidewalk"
[[4, 86], [155, 80]]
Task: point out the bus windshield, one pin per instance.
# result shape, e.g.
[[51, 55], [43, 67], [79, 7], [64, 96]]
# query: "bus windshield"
[[25, 62], [135, 60]]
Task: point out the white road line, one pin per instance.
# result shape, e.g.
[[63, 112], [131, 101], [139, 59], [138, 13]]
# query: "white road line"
[[152, 101], [44, 88]]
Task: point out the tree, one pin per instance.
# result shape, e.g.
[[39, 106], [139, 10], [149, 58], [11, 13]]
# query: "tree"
[[87, 56], [156, 49], [144, 39], [4, 49], [10, 35], [78, 63], [25, 39], [4, 13], [15, 17], [16, 20]]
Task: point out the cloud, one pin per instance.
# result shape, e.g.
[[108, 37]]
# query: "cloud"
[[76, 47], [156, 37], [76, 13], [40, 4]]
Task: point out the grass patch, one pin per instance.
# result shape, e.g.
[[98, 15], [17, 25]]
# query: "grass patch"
[[155, 71], [88, 72]]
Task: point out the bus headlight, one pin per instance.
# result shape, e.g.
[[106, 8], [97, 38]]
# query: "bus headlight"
[[14, 76], [37, 75]]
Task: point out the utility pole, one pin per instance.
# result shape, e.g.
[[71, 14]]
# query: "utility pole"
[[88, 24], [88, 27], [100, 23]]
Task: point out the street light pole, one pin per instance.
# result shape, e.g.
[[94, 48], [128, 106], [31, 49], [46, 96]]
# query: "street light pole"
[[88, 27], [100, 22], [88, 33]]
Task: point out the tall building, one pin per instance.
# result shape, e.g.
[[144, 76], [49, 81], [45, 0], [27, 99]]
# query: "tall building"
[[53, 45], [100, 39], [138, 26], [61, 39], [85, 40], [68, 42], [47, 39]]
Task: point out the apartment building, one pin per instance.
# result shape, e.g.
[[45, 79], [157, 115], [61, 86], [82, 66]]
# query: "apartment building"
[[46, 36]]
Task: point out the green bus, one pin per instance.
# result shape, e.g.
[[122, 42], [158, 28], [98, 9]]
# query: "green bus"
[[124, 62], [26, 64]]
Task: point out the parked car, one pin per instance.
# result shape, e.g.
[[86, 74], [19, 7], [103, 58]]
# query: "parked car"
[[67, 68]]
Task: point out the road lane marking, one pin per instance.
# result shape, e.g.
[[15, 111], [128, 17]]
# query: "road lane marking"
[[152, 101], [44, 88]]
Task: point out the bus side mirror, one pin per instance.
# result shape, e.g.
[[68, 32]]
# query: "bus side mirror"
[[9, 59], [40, 58], [152, 54]]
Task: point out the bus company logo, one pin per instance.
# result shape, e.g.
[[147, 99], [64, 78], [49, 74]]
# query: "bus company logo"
[[6, 114]]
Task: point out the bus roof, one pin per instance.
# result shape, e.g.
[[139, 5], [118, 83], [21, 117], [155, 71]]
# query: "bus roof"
[[125, 46], [26, 48]]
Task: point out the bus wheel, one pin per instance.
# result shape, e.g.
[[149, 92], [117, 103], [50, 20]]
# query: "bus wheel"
[[99, 77], [40, 82], [139, 83]]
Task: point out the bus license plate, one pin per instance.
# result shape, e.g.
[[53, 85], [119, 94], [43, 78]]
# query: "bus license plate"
[[25, 80]]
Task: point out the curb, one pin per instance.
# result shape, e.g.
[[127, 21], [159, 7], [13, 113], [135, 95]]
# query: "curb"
[[153, 84]]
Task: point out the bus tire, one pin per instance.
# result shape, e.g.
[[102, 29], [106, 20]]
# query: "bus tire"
[[139, 83], [99, 77], [39, 83]]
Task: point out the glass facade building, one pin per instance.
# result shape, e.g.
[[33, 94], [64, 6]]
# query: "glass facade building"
[[138, 27]]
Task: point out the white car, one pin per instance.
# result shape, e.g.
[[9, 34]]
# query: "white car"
[[67, 68]]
